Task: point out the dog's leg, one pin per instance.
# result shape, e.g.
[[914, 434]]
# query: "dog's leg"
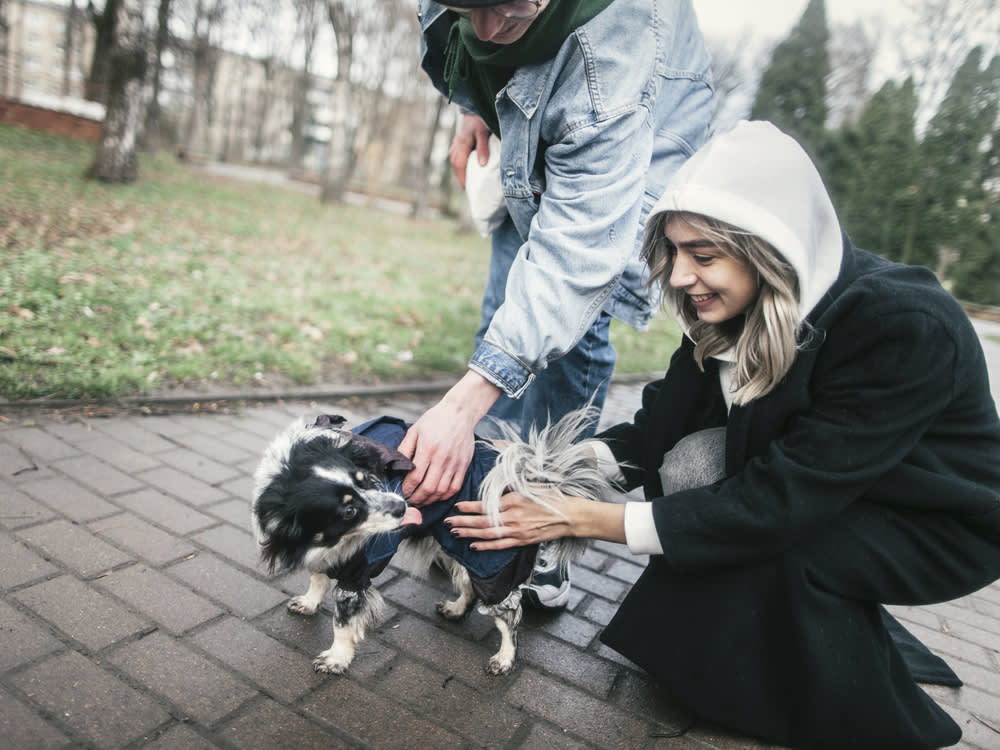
[[460, 606], [353, 613], [309, 602], [506, 617]]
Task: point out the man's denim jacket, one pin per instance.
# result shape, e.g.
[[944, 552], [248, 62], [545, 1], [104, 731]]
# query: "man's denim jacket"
[[589, 142]]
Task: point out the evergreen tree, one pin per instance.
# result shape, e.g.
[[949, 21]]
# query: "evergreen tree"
[[952, 160], [792, 91], [871, 170]]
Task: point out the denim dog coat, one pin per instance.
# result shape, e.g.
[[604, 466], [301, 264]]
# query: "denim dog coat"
[[494, 573]]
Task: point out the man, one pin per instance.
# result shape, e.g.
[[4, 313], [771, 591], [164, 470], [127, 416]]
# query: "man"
[[596, 104]]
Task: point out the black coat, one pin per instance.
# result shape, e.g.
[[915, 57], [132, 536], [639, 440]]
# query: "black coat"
[[870, 475]]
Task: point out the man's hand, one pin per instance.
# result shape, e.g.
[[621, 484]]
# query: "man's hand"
[[441, 442], [472, 135]]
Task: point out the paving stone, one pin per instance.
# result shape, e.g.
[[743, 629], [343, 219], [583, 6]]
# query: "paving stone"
[[216, 447], [171, 605], [20, 565], [308, 634], [196, 465], [108, 713], [23, 640], [39, 444], [564, 625], [74, 547], [235, 545], [86, 615], [96, 474], [275, 668], [73, 432], [947, 645], [450, 654], [198, 687], [270, 725], [14, 461], [142, 539], [135, 432], [251, 444], [598, 584], [580, 714], [242, 486], [579, 668], [419, 595], [180, 737], [637, 692], [218, 580], [351, 707], [118, 454], [598, 611], [23, 727], [183, 486], [591, 558], [235, 512], [623, 570], [171, 514], [166, 427], [543, 738], [453, 704], [70, 498], [954, 612]]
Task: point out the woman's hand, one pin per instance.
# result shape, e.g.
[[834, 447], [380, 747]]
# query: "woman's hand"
[[524, 522]]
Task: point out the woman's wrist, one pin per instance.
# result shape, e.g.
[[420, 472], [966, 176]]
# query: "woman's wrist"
[[590, 519]]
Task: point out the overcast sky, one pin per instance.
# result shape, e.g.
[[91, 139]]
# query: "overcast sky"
[[774, 18]]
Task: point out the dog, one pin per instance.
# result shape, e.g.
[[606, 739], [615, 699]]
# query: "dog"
[[328, 499]]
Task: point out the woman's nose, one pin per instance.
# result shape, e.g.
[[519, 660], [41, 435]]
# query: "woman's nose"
[[682, 273], [486, 23]]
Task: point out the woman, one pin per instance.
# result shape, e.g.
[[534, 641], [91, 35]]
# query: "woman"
[[823, 442]]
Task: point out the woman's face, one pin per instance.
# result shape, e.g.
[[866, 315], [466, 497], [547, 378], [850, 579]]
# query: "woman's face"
[[719, 287]]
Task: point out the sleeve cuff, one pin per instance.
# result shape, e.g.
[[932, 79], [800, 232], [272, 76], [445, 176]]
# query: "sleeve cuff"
[[606, 462], [640, 529]]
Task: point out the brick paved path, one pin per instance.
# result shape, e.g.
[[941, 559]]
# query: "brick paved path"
[[134, 615]]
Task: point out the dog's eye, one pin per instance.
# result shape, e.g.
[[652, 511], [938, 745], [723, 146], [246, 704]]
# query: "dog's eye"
[[318, 537], [349, 513]]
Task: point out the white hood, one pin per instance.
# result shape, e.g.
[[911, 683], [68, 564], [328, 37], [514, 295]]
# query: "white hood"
[[759, 179]]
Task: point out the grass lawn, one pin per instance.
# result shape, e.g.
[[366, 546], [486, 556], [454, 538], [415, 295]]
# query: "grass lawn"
[[187, 281]]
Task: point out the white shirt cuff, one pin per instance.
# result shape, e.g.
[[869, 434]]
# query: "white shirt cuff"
[[640, 530], [606, 463]]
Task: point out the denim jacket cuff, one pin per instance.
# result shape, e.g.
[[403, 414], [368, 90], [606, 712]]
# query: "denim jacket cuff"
[[501, 368]]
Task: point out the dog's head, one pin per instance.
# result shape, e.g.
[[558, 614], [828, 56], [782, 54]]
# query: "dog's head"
[[318, 487]]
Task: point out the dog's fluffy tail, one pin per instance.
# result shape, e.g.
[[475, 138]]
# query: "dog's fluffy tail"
[[553, 463]]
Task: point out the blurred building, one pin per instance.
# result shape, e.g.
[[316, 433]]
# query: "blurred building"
[[221, 105]]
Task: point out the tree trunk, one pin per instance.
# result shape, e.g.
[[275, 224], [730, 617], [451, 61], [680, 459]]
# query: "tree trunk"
[[341, 153], [151, 130], [96, 88], [116, 159], [419, 206]]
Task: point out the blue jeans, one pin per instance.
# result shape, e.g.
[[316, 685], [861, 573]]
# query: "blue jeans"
[[574, 381]]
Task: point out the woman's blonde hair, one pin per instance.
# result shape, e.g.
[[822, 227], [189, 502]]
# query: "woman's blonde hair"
[[766, 336]]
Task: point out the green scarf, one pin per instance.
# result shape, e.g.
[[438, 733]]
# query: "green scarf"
[[485, 67]]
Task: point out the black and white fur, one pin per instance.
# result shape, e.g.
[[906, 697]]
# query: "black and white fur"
[[316, 503]]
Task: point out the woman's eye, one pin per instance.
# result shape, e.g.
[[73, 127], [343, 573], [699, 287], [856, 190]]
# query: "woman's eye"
[[703, 260]]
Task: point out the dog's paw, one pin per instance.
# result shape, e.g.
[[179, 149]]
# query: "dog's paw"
[[452, 610], [332, 662], [499, 666], [302, 605]]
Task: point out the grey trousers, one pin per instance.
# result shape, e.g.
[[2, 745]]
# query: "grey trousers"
[[696, 460]]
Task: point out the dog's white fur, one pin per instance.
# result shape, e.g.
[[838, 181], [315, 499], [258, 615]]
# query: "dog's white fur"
[[552, 464]]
